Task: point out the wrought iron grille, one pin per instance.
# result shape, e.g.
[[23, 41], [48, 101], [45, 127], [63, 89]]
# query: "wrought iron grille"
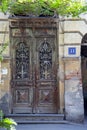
[[45, 60], [22, 61]]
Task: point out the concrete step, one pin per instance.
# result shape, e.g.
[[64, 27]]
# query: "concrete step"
[[37, 118]]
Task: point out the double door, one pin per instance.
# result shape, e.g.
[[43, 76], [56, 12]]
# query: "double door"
[[34, 76]]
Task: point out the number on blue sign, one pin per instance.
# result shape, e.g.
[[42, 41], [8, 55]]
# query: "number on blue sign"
[[71, 50]]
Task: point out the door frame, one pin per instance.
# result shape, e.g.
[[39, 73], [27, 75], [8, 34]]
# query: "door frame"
[[11, 41]]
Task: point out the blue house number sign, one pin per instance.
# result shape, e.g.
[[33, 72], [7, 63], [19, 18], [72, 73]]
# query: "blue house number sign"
[[71, 51]]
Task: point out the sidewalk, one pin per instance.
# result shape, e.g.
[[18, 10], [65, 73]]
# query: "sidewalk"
[[70, 126]]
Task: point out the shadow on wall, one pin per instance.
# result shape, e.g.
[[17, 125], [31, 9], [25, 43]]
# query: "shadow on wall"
[[85, 104], [5, 104], [84, 70], [84, 75]]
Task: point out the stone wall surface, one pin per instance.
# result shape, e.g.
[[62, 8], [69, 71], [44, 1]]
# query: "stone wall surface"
[[70, 54], [78, 25], [61, 85], [5, 86], [74, 101], [5, 65], [74, 109]]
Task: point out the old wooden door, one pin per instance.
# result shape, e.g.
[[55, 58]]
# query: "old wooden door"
[[34, 75], [45, 76]]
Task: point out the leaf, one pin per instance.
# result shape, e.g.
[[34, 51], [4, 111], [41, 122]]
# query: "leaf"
[[37, 7], [9, 121]]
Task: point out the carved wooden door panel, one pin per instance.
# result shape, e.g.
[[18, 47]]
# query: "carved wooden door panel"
[[22, 77], [46, 75]]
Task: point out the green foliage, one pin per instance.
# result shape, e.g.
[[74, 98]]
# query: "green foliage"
[[7, 123], [2, 50], [4, 4], [45, 7]]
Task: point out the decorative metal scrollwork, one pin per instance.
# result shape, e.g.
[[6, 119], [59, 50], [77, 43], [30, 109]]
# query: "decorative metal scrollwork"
[[45, 60], [22, 61]]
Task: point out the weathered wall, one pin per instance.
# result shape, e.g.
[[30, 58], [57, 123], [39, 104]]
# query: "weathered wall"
[[71, 33], [5, 65]]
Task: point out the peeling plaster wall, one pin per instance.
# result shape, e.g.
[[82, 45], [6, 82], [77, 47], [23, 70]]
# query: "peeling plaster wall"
[[5, 66], [70, 36]]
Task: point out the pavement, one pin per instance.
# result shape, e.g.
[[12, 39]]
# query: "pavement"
[[67, 126]]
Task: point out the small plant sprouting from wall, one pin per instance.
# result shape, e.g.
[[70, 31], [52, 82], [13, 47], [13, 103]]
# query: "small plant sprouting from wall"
[[4, 45], [7, 123], [2, 49]]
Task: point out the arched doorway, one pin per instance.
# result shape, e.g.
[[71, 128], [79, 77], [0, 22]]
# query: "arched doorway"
[[84, 70]]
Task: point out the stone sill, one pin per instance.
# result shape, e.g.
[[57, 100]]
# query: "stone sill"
[[71, 58]]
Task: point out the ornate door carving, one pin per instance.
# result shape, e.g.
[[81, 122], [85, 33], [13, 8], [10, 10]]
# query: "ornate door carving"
[[34, 74], [22, 78], [46, 87], [22, 61]]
